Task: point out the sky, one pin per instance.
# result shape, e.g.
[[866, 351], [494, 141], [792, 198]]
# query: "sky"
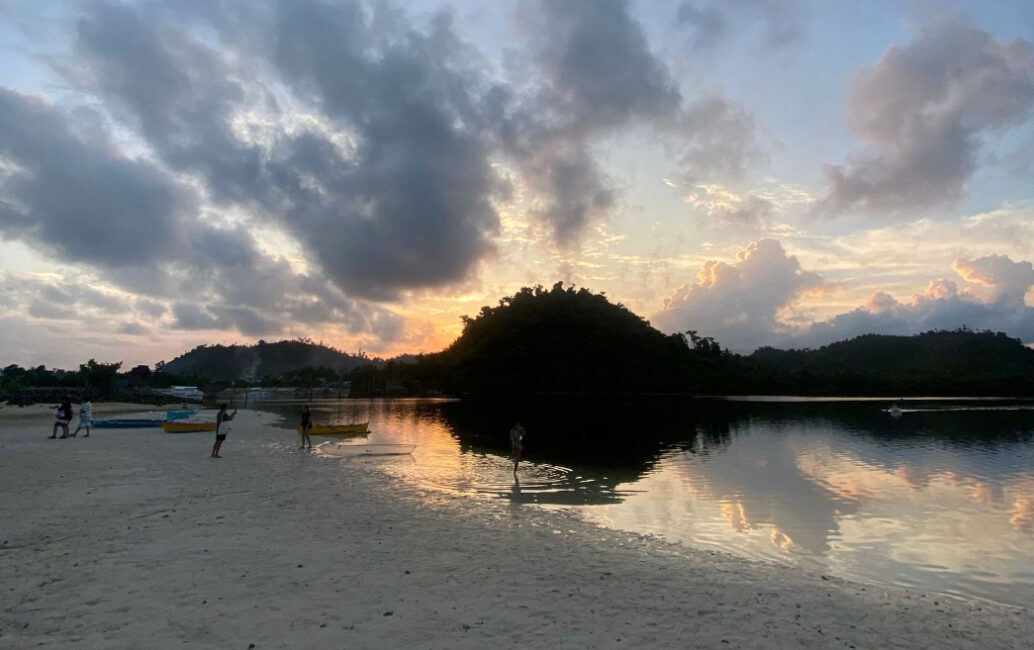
[[787, 173]]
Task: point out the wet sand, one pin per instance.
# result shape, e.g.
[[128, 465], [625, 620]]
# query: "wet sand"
[[137, 539]]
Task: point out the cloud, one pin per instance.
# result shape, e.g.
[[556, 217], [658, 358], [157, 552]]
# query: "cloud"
[[725, 206], [739, 304], [923, 110], [1000, 276], [77, 196], [372, 140], [597, 67], [389, 188], [597, 76], [993, 300], [714, 21], [59, 299], [749, 303], [574, 192], [375, 143], [134, 329]]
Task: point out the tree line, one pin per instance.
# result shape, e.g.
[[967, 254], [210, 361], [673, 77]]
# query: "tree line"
[[563, 340]]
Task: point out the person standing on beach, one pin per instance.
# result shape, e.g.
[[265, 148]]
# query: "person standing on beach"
[[306, 427], [62, 417], [516, 444], [222, 426], [85, 415]]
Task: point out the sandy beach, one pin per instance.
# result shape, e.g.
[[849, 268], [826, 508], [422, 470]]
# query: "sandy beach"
[[137, 539]]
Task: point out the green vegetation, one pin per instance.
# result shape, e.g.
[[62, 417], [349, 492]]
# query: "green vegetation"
[[563, 340], [299, 363], [960, 362], [264, 362], [567, 341]]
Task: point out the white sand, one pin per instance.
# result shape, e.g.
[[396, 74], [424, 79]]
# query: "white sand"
[[136, 539]]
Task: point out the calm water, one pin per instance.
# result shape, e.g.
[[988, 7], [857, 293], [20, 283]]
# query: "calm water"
[[941, 498]]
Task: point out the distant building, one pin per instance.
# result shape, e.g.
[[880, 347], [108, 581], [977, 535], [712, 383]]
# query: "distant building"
[[182, 392]]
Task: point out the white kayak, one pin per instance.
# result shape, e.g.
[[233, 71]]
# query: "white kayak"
[[347, 449]]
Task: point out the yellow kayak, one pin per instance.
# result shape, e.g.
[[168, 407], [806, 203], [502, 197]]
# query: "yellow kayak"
[[338, 430], [183, 426]]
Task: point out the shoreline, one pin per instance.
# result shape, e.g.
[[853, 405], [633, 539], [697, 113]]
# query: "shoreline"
[[100, 410], [134, 538]]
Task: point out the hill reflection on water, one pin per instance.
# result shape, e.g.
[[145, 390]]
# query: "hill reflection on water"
[[941, 498]]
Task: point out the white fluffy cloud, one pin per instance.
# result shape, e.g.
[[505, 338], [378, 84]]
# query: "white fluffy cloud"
[[997, 277], [740, 303], [747, 304]]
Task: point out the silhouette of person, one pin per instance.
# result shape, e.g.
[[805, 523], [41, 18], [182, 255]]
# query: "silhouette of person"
[[222, 427], [306, 427], [516, 444], [62, 417]]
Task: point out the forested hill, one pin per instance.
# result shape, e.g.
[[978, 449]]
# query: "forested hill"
[[960, 362], [567, 341], [255, 362], [562, 340]]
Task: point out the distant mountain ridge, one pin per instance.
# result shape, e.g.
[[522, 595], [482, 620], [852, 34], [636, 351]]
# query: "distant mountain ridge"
[[562, 340], [254, 362], [958, 362]]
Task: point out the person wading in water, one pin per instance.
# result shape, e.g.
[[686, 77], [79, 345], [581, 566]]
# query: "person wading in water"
[[516, 444]]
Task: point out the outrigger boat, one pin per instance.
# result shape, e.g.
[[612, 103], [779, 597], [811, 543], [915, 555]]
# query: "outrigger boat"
[[125, 423], [338, 430], [179, 414], [186, 426]]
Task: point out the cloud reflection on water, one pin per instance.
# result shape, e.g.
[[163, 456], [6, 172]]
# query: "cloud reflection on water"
[[942, 500]]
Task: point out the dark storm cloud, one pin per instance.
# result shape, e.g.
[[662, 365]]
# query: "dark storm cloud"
[[923, 109], [371, 140], [598, 77], [409, 205], [412, 206], [179, 94], [406, 201], [63, 189], [191, 316], [76, 195], [598, 69]]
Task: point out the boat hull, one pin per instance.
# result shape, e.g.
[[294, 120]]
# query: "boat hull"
[[338, 430], [125, 423], [179, 426], [180, 414]]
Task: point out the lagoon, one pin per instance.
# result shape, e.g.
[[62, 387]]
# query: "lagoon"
[[940, 499]]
